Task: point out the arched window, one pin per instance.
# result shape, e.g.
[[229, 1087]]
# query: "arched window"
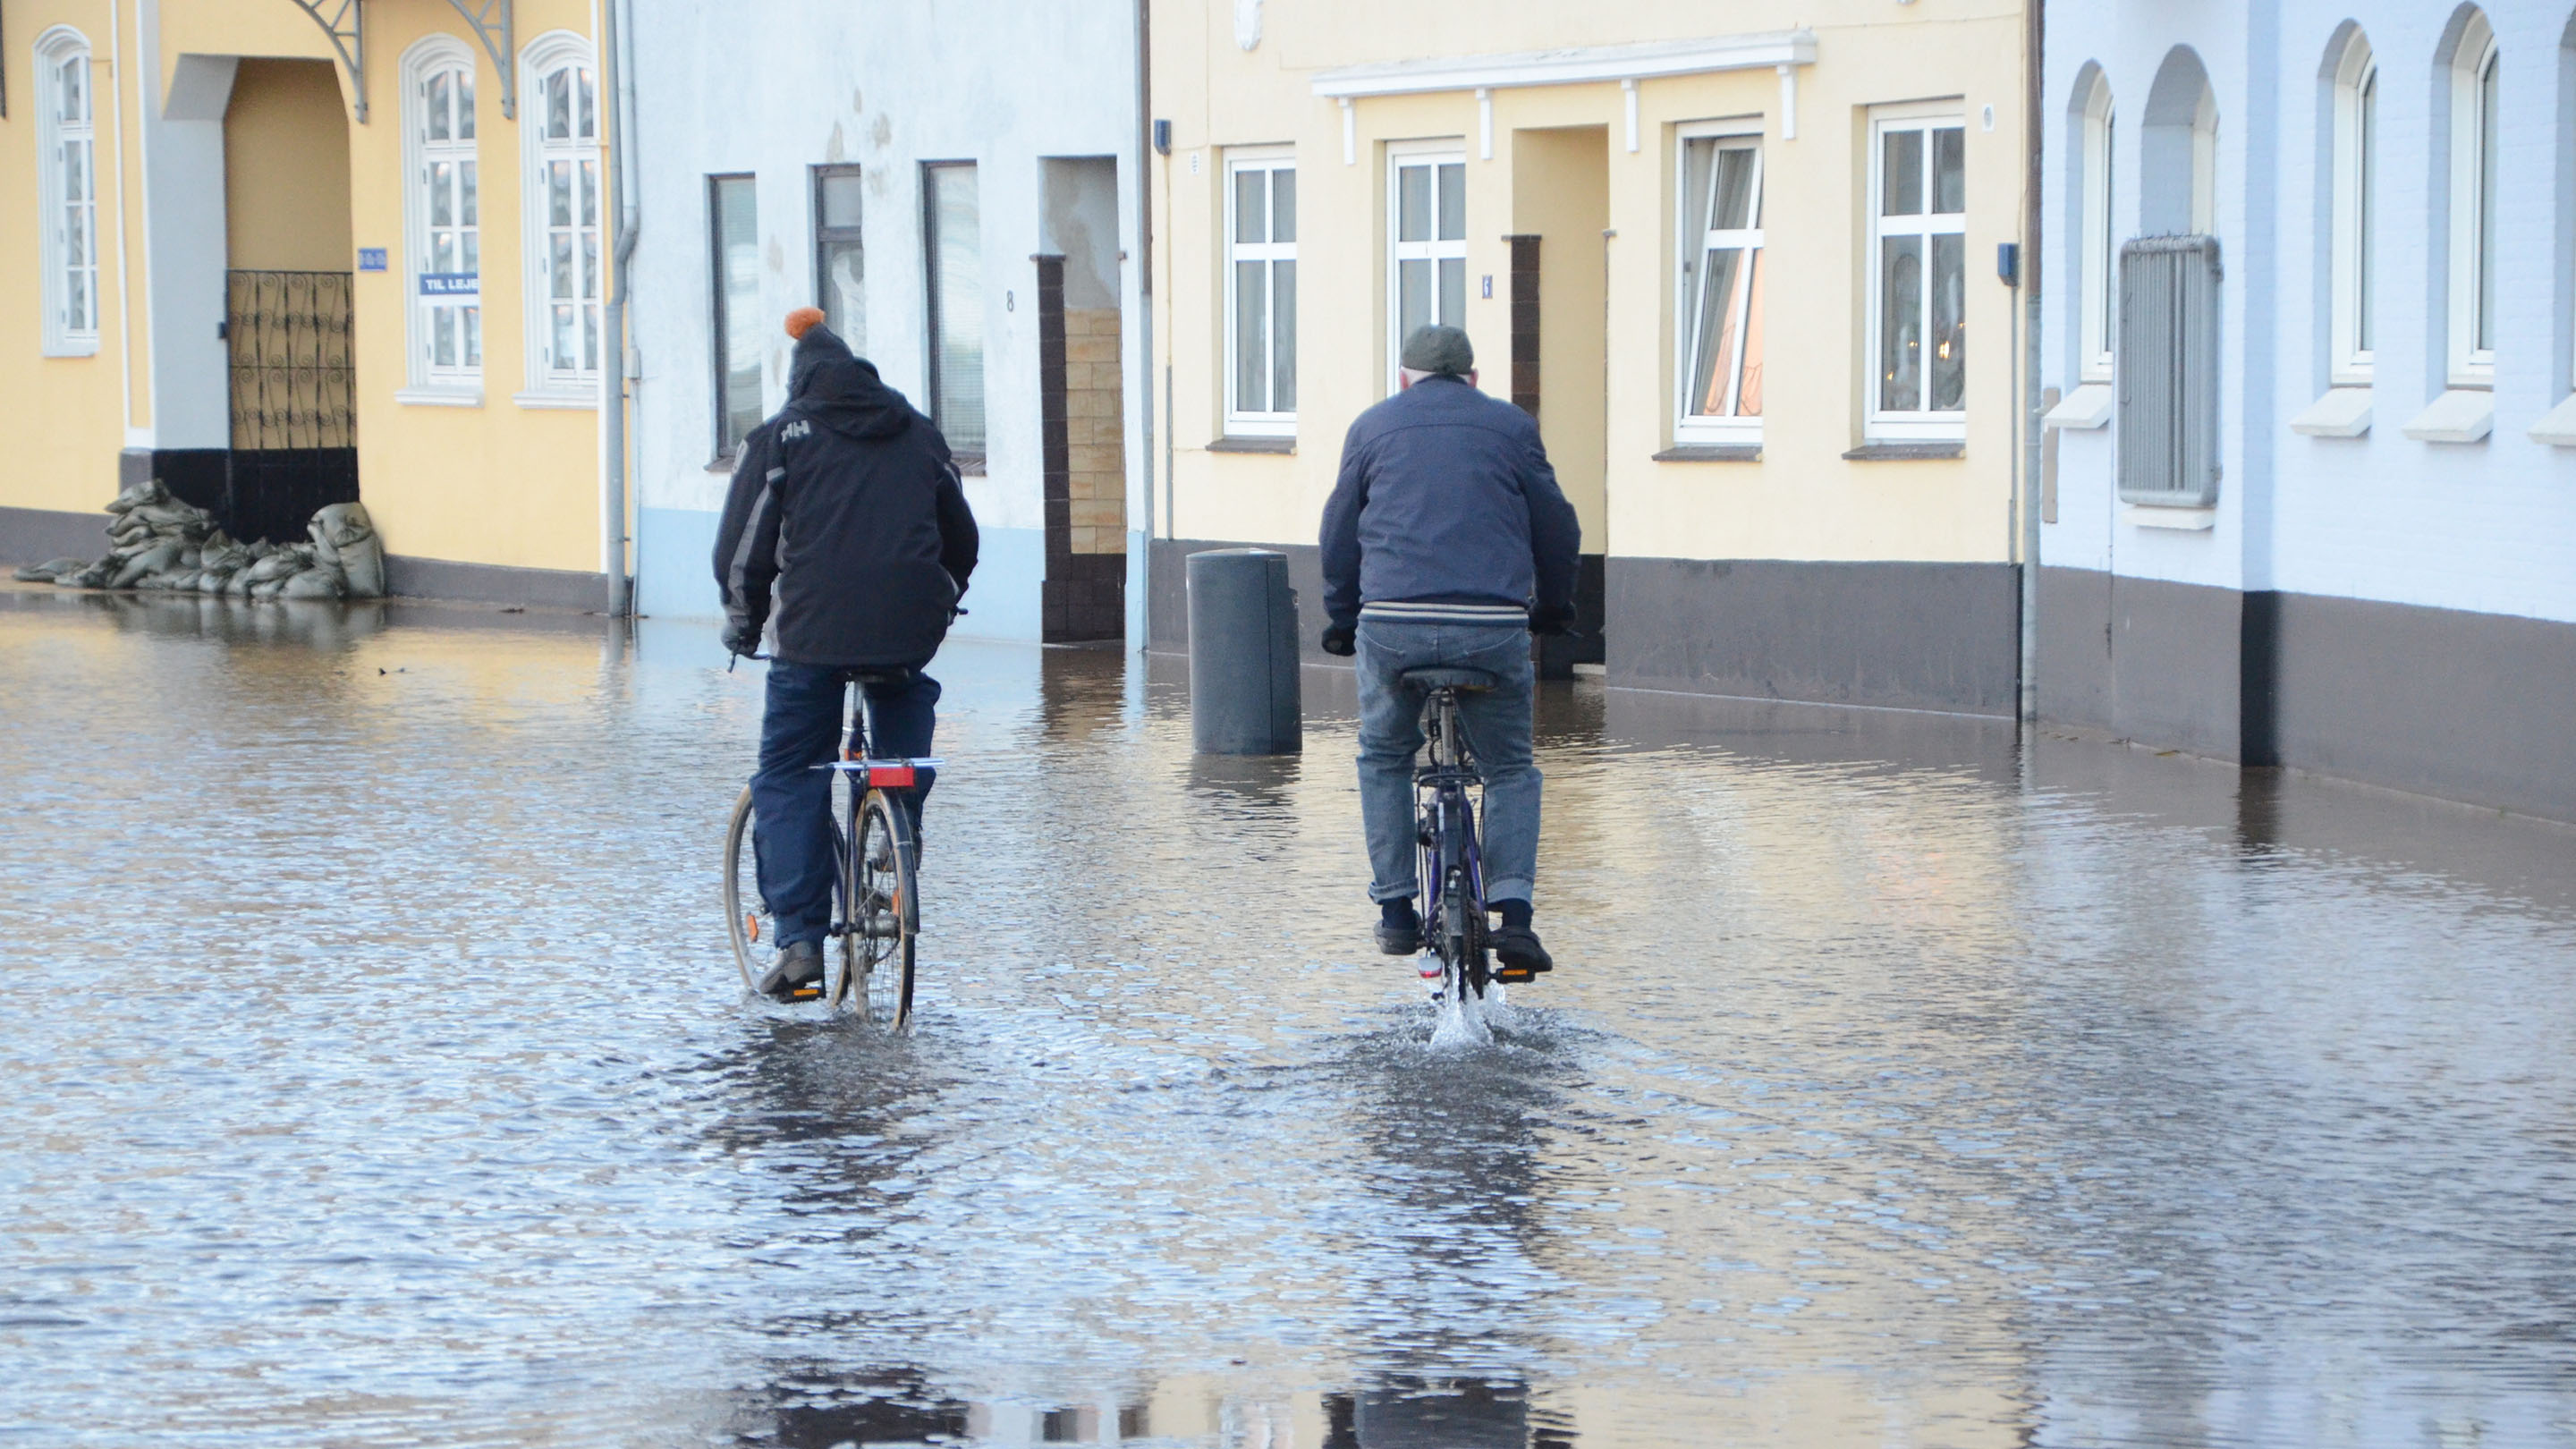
[[67, 178], [2178, 150], [2473, 204], [559, 135], [2097, 249], [444, 212], [2354, 203]]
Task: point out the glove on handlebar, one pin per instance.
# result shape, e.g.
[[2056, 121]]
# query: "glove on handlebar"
[[1341, 640], [1554, 619]]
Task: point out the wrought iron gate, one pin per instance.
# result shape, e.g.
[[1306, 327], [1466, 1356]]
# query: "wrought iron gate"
[[294, 401]]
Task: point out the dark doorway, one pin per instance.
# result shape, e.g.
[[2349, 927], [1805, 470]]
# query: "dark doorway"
[[294, 403]]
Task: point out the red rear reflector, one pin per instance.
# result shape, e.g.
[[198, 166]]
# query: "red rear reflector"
[[890, 777]]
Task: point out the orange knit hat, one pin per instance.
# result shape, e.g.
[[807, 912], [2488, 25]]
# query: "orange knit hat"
[[803, 320]]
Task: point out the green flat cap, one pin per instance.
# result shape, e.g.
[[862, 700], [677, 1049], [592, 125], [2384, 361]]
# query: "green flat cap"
[[1439, 348]]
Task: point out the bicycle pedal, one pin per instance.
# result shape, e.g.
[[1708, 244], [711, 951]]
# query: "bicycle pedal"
[[813, 992]]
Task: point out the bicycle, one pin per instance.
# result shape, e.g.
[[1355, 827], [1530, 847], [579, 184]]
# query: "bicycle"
[[1452, 869], [877, 873]]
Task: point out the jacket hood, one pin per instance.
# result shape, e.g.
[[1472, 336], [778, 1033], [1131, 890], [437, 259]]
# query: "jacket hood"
[[842, 391]]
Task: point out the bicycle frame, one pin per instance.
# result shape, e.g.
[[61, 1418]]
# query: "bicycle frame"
[[1452, 857]]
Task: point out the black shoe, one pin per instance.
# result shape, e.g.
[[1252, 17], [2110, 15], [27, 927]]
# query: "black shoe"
[[796, 974], [1518, 949], [1400, 936]]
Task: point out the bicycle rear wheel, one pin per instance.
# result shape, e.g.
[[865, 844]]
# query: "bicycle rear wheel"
[[884, 915], [747, 917]]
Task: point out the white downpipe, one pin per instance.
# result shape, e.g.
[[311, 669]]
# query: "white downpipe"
[[124, 292], [615, 52], [1628, 93]]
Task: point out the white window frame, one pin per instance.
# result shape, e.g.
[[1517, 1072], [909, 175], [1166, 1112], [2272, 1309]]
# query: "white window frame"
[[1400, 155], [1239, 421], [2097, 249], [2353, 259], [1693, 239], [431, 385], [55, 49], [2470, 364], [547, 385], [1911, 425]]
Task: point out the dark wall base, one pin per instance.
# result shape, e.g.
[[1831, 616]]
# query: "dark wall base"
[[35, 535], [432, 578], [1083, 598], [2465, 706], [1892, 635]]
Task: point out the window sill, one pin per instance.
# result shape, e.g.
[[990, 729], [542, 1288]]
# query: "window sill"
[[2462, 415], [558, 398], [2557, 427], [437, 397], [1905, 452], [81, 347], [2184, 520], [2344, 412], [723, 462], [1235, 443], [968, 465], [2088, 407], [1711, 453]]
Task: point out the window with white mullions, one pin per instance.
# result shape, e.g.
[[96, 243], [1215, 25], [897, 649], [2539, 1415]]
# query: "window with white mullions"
[[447, 268], [565, 166], [1428, 245], [1918, 278], [1719, 290], [1261, 295], [2098, 258], [67, 175], [2355, 160], [733, 249], [2474, 68]]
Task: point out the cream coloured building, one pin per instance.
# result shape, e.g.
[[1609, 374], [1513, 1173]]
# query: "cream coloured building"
[[1742, 264], [276, 264]]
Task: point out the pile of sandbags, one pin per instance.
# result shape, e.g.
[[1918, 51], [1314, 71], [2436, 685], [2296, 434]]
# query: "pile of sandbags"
[[158, 542]]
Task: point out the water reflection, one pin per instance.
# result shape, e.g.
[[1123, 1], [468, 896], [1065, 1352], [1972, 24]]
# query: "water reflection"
[[1907, 1079]]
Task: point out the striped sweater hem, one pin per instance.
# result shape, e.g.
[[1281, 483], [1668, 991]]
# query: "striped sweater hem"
[[1425, 611]]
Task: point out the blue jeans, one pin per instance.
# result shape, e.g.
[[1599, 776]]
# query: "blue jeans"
[[791, 800], [1497, 722]]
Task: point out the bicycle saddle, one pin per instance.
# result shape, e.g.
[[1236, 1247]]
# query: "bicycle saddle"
[[1449, 679]]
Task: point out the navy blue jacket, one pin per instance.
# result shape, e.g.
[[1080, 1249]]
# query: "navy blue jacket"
[[1446, 494]]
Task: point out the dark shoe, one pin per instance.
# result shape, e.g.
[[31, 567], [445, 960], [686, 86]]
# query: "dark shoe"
[[1399, 934], [796, 974], [1522, 956]]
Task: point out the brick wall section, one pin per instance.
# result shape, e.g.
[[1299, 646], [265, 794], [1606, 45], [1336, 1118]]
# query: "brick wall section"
[[1095, 426]]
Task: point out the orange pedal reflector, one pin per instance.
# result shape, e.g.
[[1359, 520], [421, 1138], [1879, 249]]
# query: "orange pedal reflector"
[[753, 923]]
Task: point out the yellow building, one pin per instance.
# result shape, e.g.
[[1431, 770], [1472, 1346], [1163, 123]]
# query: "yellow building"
[[1733, 260], [283, 256]]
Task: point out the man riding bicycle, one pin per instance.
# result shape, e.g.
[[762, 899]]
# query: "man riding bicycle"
[[846, 510], [1447, 543]]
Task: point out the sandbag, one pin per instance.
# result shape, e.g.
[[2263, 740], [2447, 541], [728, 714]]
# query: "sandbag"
[[50, 570], [150, 561], [345, 536], [321, 581]]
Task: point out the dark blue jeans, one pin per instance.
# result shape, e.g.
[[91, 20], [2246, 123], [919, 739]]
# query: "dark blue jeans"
[[791, 800]]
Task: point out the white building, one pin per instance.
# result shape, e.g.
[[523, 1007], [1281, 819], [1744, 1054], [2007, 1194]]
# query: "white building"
[[2372, 570], [955, 184]]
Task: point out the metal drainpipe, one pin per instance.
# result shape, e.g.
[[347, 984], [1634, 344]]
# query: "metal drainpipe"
[[1145, 318], [2033, 129], [612, 378]]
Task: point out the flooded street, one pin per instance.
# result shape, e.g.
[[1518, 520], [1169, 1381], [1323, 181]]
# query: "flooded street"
[[376, 1074]]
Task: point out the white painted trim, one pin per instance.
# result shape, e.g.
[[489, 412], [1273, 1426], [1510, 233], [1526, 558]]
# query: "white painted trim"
[[2344, 412], [56, 47], [1575, 65], [1692, 241], [1400, 155], [437, 397], [542, 401], [2462, 415], [1924, 424], [2097, 252], [1230, 161], [431, 52], [1628, 98], [1788, 101], [2349, 182], [2470, 365], [2086, 408], [1350, 133], [2186, 520], [548, 52], [2557, 427]]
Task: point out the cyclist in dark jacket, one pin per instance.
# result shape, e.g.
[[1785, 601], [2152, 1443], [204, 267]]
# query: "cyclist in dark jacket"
[[845, 515], [1448, 543]]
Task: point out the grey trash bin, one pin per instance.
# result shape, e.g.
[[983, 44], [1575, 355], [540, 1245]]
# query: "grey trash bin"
[[1243, 653]]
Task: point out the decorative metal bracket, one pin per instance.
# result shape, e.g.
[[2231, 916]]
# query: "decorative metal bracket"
[[492, 24], [346, 24]]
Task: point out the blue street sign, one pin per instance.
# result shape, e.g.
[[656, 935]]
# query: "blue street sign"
[[451, 284], [371, 259]]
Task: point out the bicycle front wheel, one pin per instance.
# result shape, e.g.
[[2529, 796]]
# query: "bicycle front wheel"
[[876, 973], [747, 916]]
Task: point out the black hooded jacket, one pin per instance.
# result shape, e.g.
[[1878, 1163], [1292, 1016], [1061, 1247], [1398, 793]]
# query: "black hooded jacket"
[[847, 502]]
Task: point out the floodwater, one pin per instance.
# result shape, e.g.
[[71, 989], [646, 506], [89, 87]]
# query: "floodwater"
[[374, 1073]]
